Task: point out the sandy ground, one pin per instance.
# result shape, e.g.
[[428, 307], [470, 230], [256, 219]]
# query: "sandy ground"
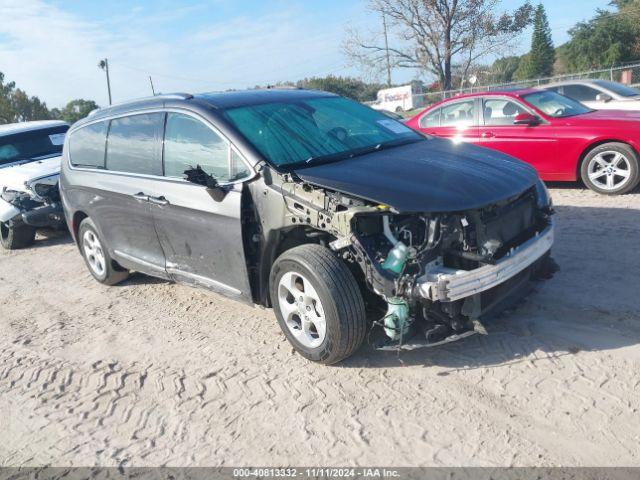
[[153, 373]]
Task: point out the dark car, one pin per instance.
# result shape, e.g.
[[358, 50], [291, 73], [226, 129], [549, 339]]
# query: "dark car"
[[311, 204]]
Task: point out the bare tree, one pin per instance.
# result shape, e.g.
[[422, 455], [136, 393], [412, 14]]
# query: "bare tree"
[[436, 36]]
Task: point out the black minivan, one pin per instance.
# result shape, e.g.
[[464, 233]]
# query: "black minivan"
[[312, 204]]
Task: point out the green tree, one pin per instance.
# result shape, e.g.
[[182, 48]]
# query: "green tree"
[[606, 39], [503, 69], [542, 55], [348, 87], [77, 109]]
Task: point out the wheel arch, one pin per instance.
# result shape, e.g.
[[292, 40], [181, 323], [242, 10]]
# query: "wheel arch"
[[597, 143], [76, 220]]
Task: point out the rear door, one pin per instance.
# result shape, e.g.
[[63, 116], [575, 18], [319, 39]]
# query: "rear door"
[[200, 232], [133, 168], [455, 120], [536, 145]]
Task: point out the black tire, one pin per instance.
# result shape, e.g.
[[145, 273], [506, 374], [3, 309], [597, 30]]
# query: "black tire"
[[339, 294], [112, 273], [15, 235], [608, 150]]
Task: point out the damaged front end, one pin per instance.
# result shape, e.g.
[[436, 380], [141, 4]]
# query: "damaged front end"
[[37, 205], [439, 274]]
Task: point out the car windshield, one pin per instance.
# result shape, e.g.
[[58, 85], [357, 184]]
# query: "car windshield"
[[31, 145], [618, 88], [555, 105], [305, 132]]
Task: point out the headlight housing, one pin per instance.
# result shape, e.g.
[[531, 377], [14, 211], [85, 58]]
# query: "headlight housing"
[[45, 188], [543, 198]]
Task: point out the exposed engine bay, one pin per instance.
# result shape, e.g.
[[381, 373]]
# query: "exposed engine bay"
[[437, 274], [37, 204]]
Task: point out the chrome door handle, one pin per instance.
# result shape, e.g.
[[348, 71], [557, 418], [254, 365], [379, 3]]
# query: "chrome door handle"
[[141, 197], [488, 135], [159, 200]]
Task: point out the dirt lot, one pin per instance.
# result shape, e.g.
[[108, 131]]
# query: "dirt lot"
[[152, 373]]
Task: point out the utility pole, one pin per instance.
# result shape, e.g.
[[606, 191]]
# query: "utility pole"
[[386, 48], [153, 91], [104, 65]]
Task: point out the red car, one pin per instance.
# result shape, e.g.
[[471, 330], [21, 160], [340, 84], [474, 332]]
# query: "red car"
[[561, 138]]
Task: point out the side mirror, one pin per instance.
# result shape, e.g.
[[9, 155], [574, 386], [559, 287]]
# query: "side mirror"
[[526, 119], [198, 176], [603, 97]]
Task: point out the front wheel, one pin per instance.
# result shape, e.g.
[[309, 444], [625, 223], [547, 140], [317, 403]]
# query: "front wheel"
[[318, 304], [14, 235], [611, 169]]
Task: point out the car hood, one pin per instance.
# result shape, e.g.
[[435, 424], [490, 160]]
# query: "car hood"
[[15, 177], [605, 117], [434, 175]]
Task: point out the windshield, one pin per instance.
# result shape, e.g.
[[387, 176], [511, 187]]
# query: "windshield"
[[308, 131], [31, 144], [555, 105], [618, 88]]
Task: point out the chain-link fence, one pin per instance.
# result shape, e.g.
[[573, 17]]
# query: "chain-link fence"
[[627, 74]]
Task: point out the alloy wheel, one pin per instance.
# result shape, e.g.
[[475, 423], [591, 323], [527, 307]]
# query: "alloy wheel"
[[302, 309], [93, 253], [609, 170]]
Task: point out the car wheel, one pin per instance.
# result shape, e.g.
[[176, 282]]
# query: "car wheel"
[[16, 235], [318, 304], [611, 169], [103, 268]]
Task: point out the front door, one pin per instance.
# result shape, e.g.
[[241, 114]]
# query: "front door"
[[199, 230], [536, 145]]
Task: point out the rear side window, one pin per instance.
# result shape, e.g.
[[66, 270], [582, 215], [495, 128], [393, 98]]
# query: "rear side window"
[[188, 142], [134, 144], [431, 119], [460, 114], [86, 145]]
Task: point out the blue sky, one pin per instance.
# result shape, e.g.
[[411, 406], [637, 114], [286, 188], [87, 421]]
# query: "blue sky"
[[51, 47]]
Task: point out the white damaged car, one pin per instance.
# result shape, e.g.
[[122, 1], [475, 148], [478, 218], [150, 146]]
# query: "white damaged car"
[[29, 172]]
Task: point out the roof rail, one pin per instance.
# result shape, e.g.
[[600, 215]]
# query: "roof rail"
[[168, 96]]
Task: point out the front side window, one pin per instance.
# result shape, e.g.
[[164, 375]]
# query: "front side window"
[[134, 144], [501, 111], [581, 93], [189, 143], [314, 130], [86, 145], [431, 119], [459, 114], [555, 105]]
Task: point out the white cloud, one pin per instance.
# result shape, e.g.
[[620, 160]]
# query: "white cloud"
[[53, 53]]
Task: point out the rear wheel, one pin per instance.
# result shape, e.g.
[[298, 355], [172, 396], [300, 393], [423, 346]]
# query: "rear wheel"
[[103, 268], [611, 169], [318, 303], [14, 235]]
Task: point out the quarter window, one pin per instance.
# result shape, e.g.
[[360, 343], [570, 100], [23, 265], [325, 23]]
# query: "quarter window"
[[459, 114], [134, 144], [188, 143], [86, 145], [431, 119], [501, 112]]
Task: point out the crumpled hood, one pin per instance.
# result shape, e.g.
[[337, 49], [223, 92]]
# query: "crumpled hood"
[[435, 175], [14, 178]]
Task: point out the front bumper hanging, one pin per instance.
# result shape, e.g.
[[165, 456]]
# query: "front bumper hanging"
[[447, 285]]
